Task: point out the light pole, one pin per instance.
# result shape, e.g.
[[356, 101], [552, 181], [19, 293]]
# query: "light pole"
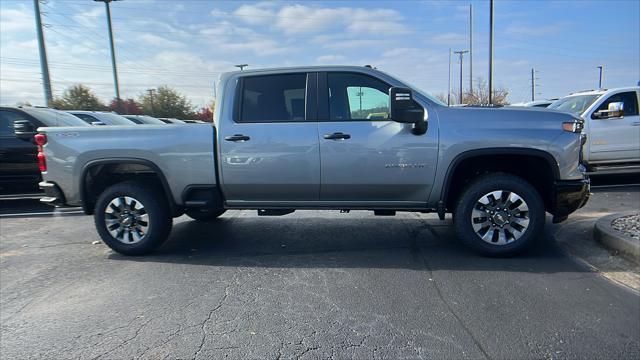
[[449, 89], [44, 65], [470, 49], [601, 67], [113, 49], [461, 53], [490, 52], [241, 66]]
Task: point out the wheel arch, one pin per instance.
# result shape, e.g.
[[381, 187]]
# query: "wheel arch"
[[477, 160], [88, 199]]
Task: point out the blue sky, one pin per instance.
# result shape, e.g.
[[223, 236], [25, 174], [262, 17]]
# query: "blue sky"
[[186, 44]]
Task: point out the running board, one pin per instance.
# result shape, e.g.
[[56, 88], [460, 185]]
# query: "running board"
[[274, 212], [614, 169], [22, 196]]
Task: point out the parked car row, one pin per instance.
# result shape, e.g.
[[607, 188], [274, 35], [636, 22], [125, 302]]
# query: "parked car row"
[[19, 168]]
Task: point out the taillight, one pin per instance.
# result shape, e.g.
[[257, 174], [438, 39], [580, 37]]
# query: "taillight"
[[42, 162], [41, 139]]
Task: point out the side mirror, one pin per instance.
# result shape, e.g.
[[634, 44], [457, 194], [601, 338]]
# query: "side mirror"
[[23, 129], [404, 110], [615, 110]]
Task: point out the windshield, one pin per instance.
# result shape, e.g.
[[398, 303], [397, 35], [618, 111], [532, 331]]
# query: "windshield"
[[416, 89], [574, 104], [113, 119], [51, 117], [151, 120]]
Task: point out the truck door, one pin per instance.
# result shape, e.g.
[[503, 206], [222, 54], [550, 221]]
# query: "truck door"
[[365, 156], [616, 139], [269, 151], [18, 162]]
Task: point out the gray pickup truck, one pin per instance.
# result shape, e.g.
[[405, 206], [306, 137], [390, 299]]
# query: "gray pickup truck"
[[331, 138]]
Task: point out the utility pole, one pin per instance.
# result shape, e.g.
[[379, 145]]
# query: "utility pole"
[[471, 49], [113, 50], [461, 53], [449, 88], [151, 93], [490, 52], [601, 67], [533, 85], [44, 65], [241, 66]]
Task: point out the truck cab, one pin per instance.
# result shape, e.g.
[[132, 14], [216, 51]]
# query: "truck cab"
[[612, 128]]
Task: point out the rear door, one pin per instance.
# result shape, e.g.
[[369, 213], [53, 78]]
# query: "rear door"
[[616, 139], [365, 156], [18, 158], [269, 150]]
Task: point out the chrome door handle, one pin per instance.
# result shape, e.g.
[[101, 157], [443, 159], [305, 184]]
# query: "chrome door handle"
[[637, 123], [337, 136]]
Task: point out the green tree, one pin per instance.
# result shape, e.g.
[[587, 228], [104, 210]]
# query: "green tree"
[[78, 97], [166, 102]]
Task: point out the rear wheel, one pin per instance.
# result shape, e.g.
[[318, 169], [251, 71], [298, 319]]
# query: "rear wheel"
[[499, 215], [204, 215], [132, 219]]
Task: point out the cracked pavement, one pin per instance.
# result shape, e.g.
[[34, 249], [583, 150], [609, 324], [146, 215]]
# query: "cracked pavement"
[[310, 285]]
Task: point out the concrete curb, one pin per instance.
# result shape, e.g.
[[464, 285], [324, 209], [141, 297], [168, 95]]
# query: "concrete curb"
[[604, 233]]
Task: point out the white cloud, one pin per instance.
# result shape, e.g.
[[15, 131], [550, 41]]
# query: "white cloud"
[[16, 20], [300, 19], [159, 41], [90, 18], [522, 29], [449, 38], [356, 43], [330, 59]]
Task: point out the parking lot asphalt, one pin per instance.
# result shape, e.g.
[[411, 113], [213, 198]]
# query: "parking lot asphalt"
[[306, 285]]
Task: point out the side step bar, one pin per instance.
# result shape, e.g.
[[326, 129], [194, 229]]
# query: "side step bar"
[[614, 169]]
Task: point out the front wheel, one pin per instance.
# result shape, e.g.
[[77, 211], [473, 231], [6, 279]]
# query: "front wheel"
[[132, 219], [499, 215]]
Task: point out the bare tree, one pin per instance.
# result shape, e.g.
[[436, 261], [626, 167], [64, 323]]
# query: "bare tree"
[[480, 95]]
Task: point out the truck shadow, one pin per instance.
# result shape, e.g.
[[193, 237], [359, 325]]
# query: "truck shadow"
[[404, 243]]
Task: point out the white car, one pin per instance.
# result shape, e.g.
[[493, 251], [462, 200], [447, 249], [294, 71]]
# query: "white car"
[[101, 117], [612, 127]]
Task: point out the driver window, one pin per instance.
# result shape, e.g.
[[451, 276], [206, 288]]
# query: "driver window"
[[629, 100], [357, 97]]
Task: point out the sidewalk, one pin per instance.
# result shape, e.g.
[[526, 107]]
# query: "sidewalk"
[[576, 235]]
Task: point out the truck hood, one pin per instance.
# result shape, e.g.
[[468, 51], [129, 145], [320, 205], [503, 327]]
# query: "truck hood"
[[506, 117]]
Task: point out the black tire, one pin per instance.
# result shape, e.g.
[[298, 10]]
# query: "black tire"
[[155, 206], [468, 200], [204, 215]]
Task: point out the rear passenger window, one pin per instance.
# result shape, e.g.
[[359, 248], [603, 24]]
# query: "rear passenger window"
[[273, 98]]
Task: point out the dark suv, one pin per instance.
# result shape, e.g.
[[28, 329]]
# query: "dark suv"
[[19, 172]]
